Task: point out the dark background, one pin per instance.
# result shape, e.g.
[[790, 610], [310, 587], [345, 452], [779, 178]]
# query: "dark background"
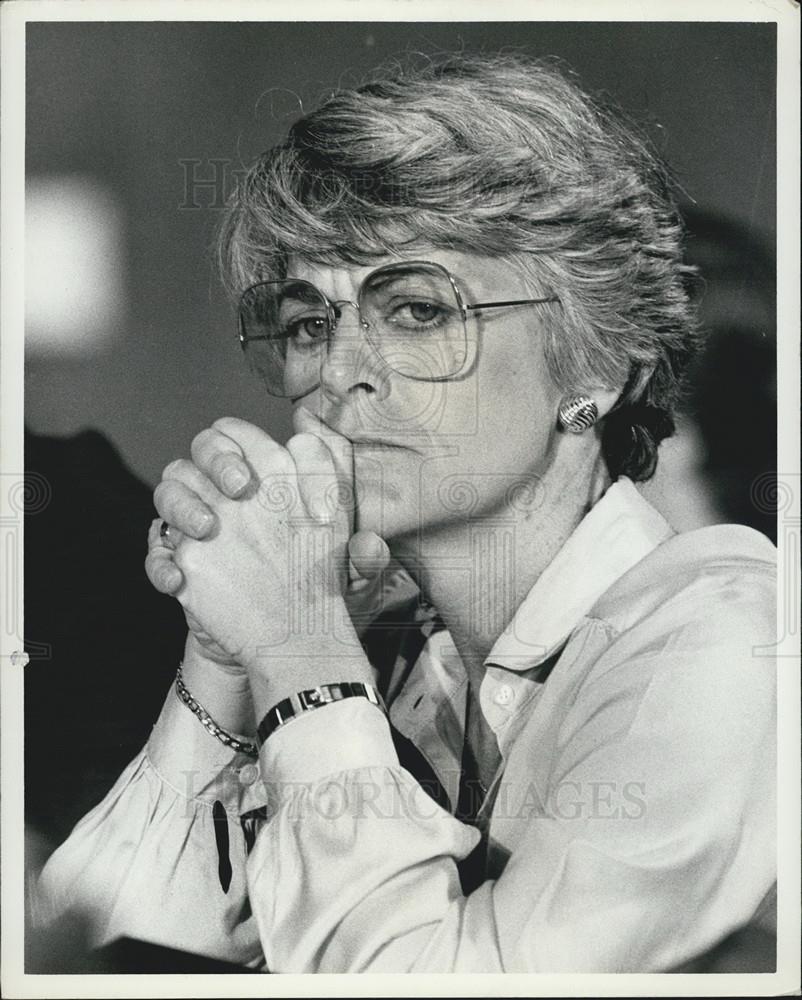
[[123, 107]]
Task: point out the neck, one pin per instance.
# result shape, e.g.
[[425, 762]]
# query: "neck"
[[477, 571]]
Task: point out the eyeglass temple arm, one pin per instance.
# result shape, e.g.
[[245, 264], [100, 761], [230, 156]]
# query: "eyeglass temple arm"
[[510, 302]]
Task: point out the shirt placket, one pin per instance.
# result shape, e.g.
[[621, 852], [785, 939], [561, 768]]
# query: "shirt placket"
[[430, 712]]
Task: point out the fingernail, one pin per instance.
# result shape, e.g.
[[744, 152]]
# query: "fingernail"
[[172, 579], [234, 480], [202, 522]]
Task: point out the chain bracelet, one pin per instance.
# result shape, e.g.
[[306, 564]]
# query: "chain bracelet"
[[208, 722]]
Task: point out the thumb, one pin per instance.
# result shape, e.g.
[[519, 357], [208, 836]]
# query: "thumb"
[[368, 555], [342, 454]]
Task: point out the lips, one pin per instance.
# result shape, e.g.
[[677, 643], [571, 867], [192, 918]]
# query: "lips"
[[359, 440]]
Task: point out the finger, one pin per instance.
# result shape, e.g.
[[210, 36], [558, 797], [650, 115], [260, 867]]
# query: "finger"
[[368, 553], [190, 475], [154, 531], [157, 539], [222, 460], [256, 445], [342, 452], [316, 475], [183, 509], [162, 572]]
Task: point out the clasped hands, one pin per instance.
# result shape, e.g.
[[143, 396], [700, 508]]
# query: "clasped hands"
[[262, 554]]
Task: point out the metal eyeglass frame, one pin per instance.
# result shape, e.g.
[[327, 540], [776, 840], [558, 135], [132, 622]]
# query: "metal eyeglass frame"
[[333, 314]]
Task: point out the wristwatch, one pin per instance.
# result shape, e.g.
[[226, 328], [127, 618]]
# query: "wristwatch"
[[305, 701]]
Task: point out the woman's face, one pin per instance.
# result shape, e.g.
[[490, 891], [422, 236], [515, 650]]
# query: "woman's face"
[[429, 453]]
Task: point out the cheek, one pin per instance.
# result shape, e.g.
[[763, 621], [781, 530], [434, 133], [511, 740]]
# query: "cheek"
[[508, 434], [418, 413], [517, 411], [380, 474], [478, 441], [386, 489]]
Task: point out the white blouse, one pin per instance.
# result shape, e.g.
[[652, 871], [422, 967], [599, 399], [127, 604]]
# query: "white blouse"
[[631, 826]]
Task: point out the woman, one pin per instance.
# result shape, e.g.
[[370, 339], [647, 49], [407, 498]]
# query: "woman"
[[467, 279]]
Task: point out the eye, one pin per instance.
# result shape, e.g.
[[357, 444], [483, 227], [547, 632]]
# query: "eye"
[[418, 314], [423, 312], [307, 330]]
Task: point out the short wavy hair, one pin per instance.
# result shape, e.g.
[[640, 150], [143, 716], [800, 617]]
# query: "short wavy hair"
[[500, 155]]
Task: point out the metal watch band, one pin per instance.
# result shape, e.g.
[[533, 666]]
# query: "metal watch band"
[[305, 701]]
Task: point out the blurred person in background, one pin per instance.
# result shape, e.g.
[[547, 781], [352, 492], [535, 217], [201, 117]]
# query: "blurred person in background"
[[738, 362], [468, 280]]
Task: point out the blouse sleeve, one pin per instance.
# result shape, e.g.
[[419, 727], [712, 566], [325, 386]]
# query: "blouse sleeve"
[[162, 858], [673, 736]]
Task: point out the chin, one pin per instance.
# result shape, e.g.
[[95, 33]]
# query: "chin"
[[383, 511], [379, 497], [392, 496]]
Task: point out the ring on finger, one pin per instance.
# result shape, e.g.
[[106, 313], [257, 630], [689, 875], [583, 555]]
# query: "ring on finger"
[[164, 534]]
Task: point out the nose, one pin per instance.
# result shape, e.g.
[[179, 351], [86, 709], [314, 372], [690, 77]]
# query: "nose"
[[350, 366]]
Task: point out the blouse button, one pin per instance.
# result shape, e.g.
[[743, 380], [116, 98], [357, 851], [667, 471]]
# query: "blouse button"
[[504, 695]]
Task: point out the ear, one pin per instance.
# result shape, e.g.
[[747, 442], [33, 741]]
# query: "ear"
[[605, 400], [579, 411], [633, 388]]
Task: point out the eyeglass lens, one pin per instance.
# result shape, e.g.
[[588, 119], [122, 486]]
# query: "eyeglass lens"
[[412, 317]]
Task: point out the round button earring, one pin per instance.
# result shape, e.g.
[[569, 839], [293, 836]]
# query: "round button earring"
[[577, 413]]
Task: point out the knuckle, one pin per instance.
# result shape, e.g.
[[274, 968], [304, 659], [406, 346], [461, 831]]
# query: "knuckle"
[[225, 424], [202, 441], [161, 497], [278, 493], [157, 571], [305, 441], [281, 460], [175, 468], [186, 557]]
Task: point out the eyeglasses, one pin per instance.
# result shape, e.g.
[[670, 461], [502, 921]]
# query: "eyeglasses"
[[411, 313]]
